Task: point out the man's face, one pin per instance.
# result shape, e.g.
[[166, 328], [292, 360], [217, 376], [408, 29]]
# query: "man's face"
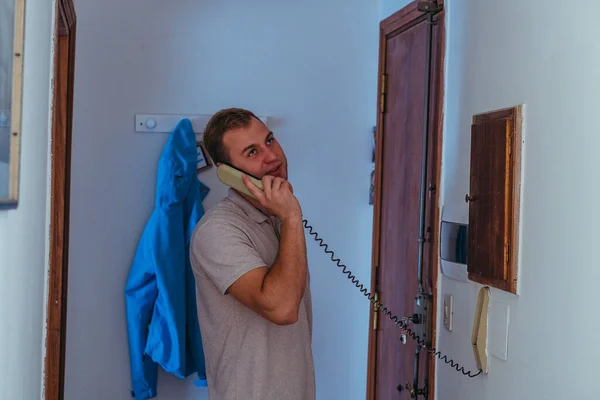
[[255, 150]]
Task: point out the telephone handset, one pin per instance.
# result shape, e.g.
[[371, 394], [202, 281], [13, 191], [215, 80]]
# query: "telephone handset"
[[232, 177]]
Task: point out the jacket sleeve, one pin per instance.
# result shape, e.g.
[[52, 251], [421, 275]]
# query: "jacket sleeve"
[[140, 296]]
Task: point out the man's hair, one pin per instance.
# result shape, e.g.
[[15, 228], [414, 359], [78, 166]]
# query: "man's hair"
[[218, 125]]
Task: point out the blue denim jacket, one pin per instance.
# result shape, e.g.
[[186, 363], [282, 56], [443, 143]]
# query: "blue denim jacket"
[[160, 294]]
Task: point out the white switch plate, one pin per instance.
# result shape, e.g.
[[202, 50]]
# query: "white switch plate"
[[498, 329], [166, 123], [448, 311]]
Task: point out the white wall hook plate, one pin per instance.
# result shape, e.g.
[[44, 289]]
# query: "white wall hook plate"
[[166, 123]]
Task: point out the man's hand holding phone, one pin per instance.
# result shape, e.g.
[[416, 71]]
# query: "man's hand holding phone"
[[277, 197]]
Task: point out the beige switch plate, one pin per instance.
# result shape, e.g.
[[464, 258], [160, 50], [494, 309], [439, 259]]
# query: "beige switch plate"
[[448, 311], [498, 329]]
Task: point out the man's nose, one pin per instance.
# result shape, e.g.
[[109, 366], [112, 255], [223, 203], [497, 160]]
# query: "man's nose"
[[269, 155]]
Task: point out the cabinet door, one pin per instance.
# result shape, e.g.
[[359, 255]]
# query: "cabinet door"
[[493, 210]]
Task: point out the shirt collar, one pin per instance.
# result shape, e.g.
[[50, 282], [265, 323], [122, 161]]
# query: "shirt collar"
[[254, 213]]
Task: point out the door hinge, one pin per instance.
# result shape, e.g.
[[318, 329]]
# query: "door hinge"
[[382, 98], [429, 6], [376, 312], [507, 247]]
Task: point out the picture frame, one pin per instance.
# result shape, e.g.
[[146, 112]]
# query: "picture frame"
[[203, 161], [12, 23]]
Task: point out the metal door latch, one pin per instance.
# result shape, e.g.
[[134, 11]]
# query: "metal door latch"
[[412, 391], [422, 316]]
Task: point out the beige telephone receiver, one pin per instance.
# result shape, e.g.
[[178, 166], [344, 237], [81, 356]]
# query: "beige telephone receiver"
[[480, 331], [231, 176]]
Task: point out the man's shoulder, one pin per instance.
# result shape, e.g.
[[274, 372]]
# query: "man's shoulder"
[[224, 216]]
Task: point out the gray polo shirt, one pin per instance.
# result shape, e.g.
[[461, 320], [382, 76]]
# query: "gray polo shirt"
[[247, 356]]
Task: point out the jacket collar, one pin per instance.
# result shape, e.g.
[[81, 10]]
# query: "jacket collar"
[[254, 213]]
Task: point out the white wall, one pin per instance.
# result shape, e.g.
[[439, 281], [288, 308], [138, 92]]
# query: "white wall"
[[24, 230], [388, 7], [502, 53], [310, 66]]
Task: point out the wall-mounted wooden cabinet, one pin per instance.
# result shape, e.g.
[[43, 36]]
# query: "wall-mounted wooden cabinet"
[[494, 198]]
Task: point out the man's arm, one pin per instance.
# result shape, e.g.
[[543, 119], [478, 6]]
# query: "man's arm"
[[276, 293]]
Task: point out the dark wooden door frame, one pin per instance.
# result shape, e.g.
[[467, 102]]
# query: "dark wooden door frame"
[[62, 116], [407, 16]]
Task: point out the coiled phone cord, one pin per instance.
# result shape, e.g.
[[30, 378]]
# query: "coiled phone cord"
[[378, 305]]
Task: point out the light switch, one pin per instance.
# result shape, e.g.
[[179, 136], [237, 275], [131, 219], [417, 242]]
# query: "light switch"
[[448, 311]]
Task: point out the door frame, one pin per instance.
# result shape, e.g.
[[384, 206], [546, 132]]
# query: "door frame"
[[62, 118], [408, 15]]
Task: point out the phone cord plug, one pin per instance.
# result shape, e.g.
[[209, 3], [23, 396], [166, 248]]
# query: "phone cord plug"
[[402, 322]]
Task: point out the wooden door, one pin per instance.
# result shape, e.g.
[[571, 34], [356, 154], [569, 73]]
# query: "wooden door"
[[62, 115], [405, 227]]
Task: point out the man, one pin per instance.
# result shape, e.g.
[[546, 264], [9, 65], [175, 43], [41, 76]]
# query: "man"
[[252, 281]]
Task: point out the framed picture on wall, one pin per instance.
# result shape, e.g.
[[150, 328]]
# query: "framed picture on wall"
[[12, 17], [202, 161]]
